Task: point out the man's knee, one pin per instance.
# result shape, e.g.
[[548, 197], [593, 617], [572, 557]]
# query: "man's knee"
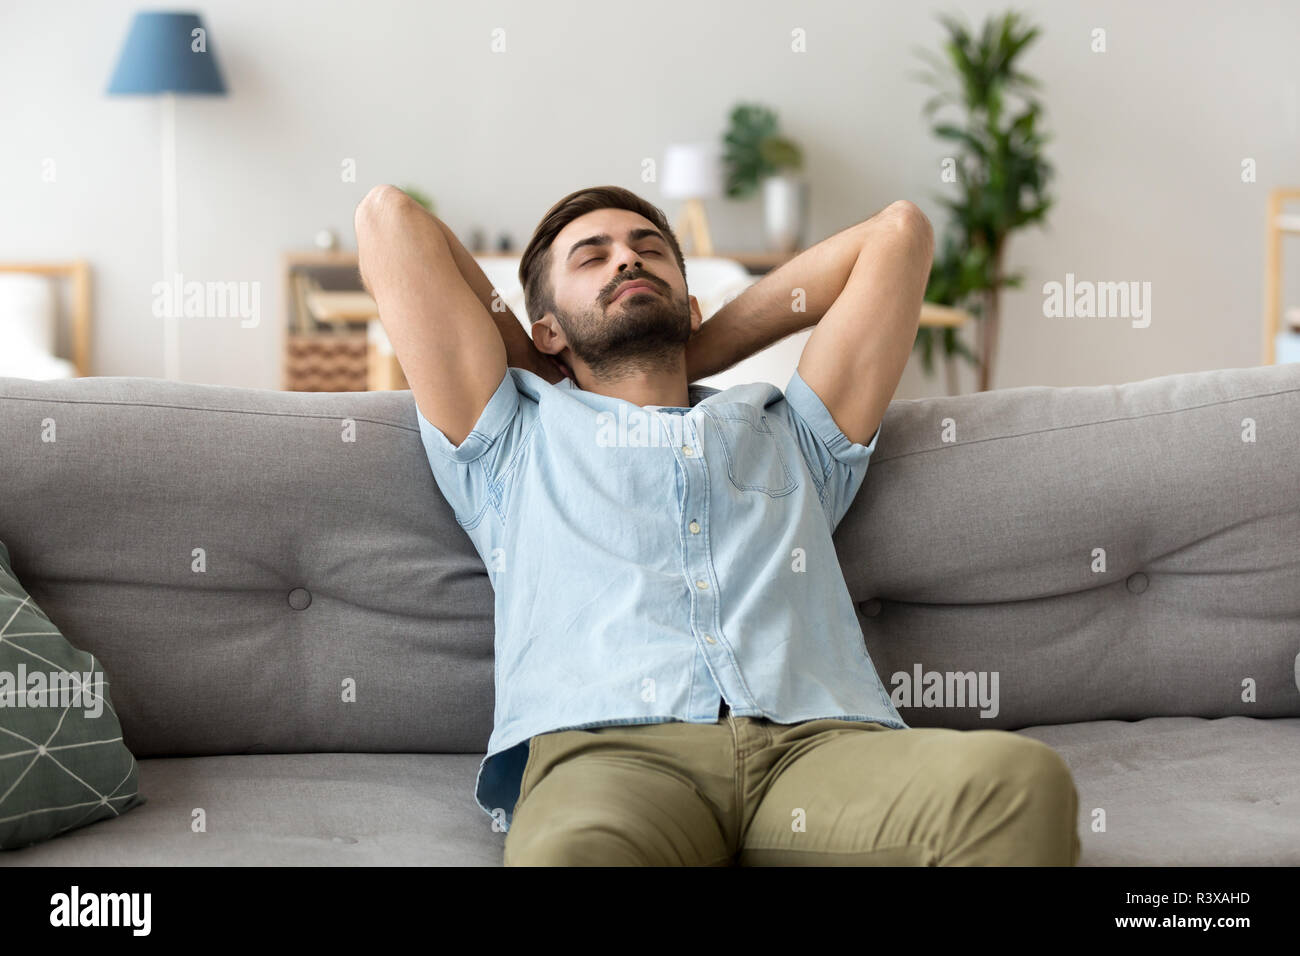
[[1003, 755], [589, 843], [1032, 792]]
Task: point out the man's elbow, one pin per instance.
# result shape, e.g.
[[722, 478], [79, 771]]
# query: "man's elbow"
[[382, 203], [913, 224]]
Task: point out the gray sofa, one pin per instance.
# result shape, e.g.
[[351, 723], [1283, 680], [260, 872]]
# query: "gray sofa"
[[1123, 558]]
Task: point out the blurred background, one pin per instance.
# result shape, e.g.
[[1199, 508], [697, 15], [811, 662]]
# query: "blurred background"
[[177, 191]]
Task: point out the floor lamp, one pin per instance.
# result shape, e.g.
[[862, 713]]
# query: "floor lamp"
[[166, 54]]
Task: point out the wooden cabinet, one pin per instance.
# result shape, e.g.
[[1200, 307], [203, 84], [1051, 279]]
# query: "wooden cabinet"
[[327, 315]]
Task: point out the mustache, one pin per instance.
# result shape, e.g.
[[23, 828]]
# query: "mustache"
[[642, 276]]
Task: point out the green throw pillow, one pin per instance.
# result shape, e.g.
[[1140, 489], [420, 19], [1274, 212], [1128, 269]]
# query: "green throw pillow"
[[63, 764]]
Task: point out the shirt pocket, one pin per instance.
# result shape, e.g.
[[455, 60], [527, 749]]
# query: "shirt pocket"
[[755, 459]]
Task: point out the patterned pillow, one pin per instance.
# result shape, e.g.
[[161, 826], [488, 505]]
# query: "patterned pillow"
[[63, 764]]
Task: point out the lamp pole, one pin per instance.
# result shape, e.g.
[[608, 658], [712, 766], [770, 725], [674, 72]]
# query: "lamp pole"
[[171, 337]]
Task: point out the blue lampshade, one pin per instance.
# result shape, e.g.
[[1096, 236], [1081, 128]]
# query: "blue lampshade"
[[158, 57]]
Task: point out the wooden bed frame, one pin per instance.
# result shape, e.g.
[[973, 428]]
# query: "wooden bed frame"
[[77, 272]]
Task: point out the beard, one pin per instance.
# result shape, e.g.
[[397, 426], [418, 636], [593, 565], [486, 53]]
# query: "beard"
[[638, 333]]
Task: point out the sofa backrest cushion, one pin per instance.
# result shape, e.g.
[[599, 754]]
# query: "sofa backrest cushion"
[[266, 571]]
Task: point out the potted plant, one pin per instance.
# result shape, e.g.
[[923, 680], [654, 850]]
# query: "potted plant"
[[999, 172], [756, 156]]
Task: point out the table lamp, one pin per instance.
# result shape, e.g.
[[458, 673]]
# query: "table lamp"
[[693, 172], [167, 53]]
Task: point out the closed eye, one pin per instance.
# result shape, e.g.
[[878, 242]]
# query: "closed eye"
[[645, 253]]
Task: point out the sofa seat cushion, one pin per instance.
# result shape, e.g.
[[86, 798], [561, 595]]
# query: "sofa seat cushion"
[[1185, 791], [1176, 790], [326, 809]]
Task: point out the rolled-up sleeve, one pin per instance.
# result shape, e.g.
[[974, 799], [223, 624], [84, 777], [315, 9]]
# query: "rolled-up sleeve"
[[471, 475], [496, 415], [837, 463]]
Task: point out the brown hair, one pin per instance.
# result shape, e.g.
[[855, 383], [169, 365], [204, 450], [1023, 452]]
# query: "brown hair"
[[535, 264]]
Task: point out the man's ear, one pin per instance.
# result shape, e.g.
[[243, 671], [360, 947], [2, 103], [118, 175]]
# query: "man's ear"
[[548, 336], [697, 317], [549, 339]]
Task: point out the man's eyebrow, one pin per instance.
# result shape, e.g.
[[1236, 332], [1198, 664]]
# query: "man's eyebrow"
[[604, 239]]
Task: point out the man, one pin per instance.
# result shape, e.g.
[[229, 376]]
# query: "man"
[[680, 675]]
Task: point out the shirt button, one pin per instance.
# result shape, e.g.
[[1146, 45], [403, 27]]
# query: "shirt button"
[[701, 584], [709, 638], [695, 527], [688, 451]]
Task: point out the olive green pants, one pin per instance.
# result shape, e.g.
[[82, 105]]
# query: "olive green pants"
[[752, 792]]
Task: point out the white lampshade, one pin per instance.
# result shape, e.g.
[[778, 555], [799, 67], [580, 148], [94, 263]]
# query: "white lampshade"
[[692, 171]]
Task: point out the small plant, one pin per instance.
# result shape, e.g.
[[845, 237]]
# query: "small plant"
[[755, 149]]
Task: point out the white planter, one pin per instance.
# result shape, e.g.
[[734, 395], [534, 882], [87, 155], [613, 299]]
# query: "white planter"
[[785, 212]]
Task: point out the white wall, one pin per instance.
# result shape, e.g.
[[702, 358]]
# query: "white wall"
[[1149, 138]]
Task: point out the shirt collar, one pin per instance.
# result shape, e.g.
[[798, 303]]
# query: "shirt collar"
[[695, 391]]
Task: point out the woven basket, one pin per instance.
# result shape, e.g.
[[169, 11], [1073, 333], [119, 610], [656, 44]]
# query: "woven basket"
[[326, 363]]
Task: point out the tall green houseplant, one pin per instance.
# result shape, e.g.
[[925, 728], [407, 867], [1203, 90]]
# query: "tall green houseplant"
[[1000, 178]]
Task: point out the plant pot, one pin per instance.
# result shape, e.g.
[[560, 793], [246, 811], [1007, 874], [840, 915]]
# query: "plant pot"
[[785, 212]]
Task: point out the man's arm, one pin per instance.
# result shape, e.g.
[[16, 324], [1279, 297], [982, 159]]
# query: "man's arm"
[[856, 354], [446, 341], [861, 289], [520, 350], [788, 299]]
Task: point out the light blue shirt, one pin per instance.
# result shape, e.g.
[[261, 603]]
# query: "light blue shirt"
[[650, 561]]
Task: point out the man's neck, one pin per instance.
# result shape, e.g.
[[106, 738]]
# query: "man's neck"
[[667, 388]]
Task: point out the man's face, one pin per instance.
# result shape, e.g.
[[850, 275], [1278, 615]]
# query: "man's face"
[[620, 299]]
